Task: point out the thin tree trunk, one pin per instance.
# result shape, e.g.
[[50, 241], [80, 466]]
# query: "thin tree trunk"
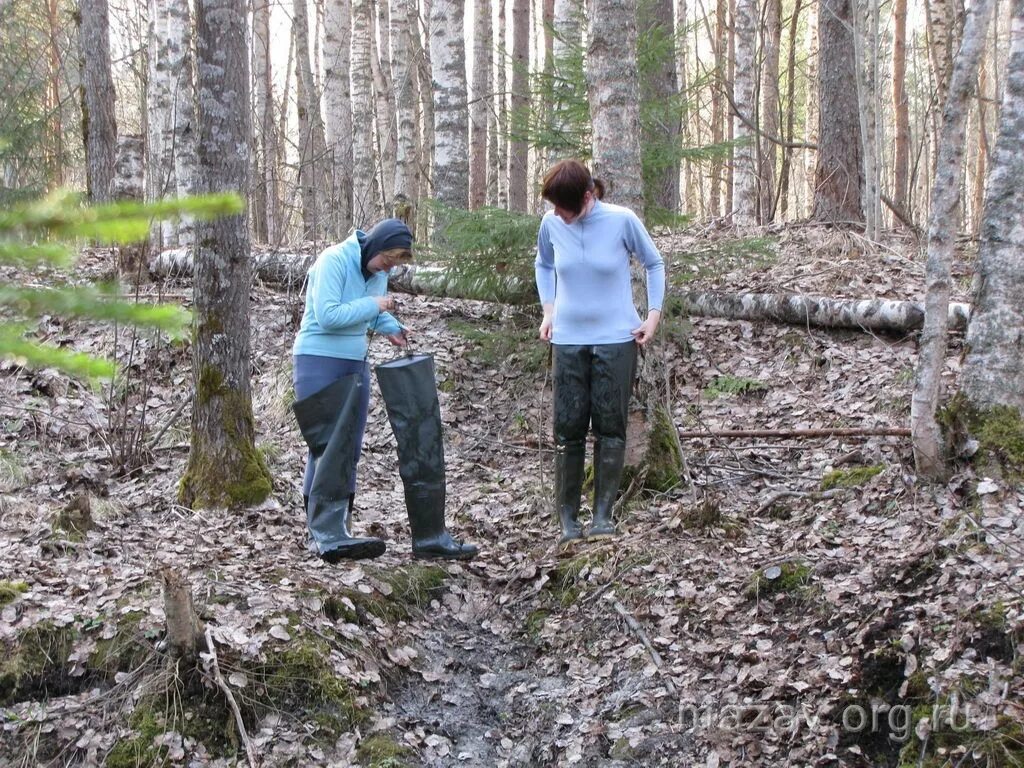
[[901, 108], [338, 112], [364, 178], [718, 106], [839, 177], [478, 111], [424, 89], [224, 468], [770, 108], [942, 231], [181, 65], [404, 74], [497, 183], [994, 366], [98, 124], [261, 93], [978, 203], [56, 132], [519, 160], [787, 152], [312, 144], [866, 43], [451, 110], [745, 193], [812, 123], [685, 181], [730, 126], [661, 87], [384, 92]]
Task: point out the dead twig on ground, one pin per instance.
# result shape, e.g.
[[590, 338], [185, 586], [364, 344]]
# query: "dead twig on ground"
[[250, 750], [634, 625]]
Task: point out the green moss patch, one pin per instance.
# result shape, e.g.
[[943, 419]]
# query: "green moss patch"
[[992, 635], [952, 742], [850, 478], [10, 590], [381, 750], [35, 665], [789, 578], [412, 587], [999, 431], [566, 582], [734, 385]]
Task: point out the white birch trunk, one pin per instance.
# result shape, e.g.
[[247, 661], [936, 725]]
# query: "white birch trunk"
[[613, 89], [770, 122], [312, 144], [866, 43], [380, 59], [403, 69], [478, 111], [450, 174], [942, 231], [518, 148], [994, 368], [338, 112], [364, 186], [745, 193]]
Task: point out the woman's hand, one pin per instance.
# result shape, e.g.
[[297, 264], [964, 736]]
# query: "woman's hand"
[[545, 324], [645, 332], [400, 339], [385, 303]]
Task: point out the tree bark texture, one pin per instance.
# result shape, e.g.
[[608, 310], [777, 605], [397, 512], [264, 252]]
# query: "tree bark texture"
[[661, 87], [338, 112], [99, 128], [994, 368], [613, 89], [387, 122], [451, 108], [787, 152], [942, 232], [267, 194], [901, 106], [839, 175], [770, 120], [224, 468], [364, 167], [403, 70], [519, 150], [745, 192], [312, 144], [478, 108]]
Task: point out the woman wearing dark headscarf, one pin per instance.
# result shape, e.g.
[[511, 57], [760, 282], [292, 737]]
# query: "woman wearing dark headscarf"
[[346, 295]]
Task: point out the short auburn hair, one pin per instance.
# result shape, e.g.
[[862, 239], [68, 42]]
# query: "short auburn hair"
[[566, 183]]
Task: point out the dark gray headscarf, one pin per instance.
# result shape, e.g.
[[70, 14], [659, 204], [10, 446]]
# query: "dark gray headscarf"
[[385, 235]]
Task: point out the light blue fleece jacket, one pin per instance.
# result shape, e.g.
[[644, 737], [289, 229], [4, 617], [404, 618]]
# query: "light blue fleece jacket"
[[340, 307], [583, 270]]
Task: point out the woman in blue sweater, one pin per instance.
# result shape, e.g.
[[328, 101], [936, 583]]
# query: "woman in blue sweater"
[[582, 270], [346, 295]]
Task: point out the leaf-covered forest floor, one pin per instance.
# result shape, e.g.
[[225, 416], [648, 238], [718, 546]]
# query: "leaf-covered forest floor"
[[796, 602]]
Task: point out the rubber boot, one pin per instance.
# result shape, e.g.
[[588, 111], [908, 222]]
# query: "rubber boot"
[[569, 460], [410, 397], [324, 420], [609, 455]]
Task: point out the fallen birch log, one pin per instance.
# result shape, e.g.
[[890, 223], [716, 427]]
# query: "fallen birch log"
[[837, 432], [885, 315]]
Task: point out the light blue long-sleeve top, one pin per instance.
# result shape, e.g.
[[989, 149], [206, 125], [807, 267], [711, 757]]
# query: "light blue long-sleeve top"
[[582, 269], [340, 304]]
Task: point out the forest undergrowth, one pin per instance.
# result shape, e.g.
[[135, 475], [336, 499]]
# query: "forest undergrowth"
[[796, 602]]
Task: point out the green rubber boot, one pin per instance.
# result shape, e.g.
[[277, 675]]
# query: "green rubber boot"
[[569, 460], [609, 456]]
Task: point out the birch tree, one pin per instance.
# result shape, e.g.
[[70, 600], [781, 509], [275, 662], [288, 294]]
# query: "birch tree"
[[744, 200], [224, 468], [660, 93], [994, 367], [338, 112], [942, 231], [451, 111], [866, 42], [380, 63], [478, 111], [364, 176], [769, 113], [404, 73], [497, 150], [98, 124], [839, 175], [787, 152]]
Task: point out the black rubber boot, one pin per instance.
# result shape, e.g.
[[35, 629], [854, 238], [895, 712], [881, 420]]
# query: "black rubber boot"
[[325, 420], [410, 397], [609, 455], [569, 460]]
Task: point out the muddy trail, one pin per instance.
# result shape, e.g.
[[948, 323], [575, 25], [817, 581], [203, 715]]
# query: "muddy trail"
[[790, 601]]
